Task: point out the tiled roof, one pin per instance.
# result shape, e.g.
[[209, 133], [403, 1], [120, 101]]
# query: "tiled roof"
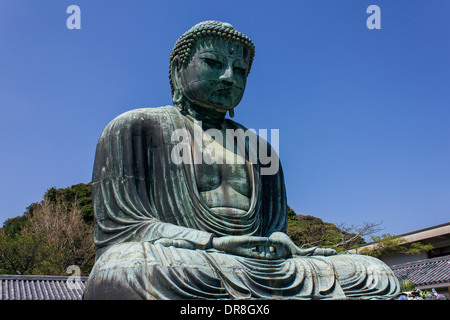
[[20, 287], [424, 272]]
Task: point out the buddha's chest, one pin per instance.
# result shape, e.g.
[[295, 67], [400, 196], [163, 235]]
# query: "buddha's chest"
[[216, 164], [222, 174]]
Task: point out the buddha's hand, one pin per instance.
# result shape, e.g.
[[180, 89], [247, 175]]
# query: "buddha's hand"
[[296, 251], [252, 247], [177, 243]]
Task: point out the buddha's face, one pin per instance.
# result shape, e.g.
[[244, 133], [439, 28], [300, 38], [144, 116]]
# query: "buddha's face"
[[216, 74]]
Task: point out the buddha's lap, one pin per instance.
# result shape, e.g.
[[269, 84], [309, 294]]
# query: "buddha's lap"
[[145, 255], [135, 270]]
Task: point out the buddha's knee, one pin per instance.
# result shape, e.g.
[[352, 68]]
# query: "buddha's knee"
[[349, 266], [122, 254], [145, 271], [114, 273]]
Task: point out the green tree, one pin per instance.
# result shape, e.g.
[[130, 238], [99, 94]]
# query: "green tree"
[[63, 228], [388, 243], [14, 225], [27, 254], [307, 231], [80, 194], [52, 234]]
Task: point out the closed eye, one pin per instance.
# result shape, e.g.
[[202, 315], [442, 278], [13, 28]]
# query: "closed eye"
[[213, 63], [240, 70]]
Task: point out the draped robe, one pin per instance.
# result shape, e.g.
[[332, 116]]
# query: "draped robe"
[[140, 196]]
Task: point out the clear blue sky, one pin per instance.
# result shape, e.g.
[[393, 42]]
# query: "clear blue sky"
[[364, 115]]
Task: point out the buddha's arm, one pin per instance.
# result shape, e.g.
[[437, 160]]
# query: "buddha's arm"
[[119, 221], [167, 234], [277, 246], [245, 246], [135, 187], [296, 251]]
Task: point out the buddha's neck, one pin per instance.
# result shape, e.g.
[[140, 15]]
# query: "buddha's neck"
[[209, 118]]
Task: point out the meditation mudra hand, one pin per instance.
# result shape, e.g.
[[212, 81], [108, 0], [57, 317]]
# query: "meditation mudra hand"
[[278, 246], [183, 217]]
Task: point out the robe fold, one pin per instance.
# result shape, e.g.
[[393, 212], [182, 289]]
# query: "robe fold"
[[141, 195]]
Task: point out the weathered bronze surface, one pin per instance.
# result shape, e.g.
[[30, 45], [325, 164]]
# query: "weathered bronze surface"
[[186, 208]]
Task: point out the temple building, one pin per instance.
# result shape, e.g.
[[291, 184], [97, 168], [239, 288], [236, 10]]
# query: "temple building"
[[427, 270]]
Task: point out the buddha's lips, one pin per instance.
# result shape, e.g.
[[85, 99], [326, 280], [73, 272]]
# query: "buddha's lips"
[[223, 91]]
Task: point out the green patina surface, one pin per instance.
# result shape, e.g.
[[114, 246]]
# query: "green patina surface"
[[212, 226]]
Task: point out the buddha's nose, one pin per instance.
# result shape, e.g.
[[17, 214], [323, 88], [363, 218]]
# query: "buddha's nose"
[[228, 77]]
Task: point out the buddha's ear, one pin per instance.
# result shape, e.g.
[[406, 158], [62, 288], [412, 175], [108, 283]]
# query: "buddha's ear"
[[176, 81]]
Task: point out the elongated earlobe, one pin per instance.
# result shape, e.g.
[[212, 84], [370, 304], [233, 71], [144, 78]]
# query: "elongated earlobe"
[[231, 113], [177, 97]]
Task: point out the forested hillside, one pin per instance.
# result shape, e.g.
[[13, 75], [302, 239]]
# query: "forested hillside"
[[51, 235]]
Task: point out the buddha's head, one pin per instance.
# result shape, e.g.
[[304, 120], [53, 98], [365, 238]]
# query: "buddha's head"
[[209, 66]]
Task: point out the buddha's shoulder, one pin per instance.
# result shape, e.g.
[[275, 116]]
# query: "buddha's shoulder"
[[142, 117], [145, 114]]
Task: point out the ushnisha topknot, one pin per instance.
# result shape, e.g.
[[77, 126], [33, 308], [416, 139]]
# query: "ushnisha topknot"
[[184, 45]]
